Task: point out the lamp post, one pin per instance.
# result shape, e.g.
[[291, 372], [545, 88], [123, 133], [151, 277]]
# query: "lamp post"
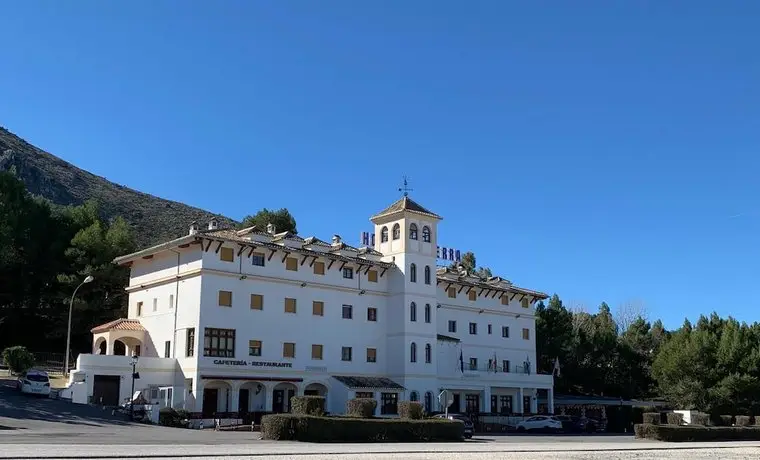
[[132, 393], [89, 279]]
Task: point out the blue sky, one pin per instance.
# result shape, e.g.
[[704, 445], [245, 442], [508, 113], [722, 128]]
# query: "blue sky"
[[600, 150]]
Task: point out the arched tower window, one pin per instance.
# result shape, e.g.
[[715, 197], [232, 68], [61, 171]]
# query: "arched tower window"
[[413, 273], [413, 231], [384, 235], [426, 234], [414, 396], [413, 353], [396, 231], [413, 312], [428, 353], [427, 313], [427, 274]]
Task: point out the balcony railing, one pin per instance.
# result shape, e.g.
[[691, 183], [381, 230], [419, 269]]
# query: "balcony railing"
[[498, 369]]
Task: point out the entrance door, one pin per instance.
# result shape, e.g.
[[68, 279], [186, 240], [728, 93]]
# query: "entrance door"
[[243, 402], [278, 401], [106, 389], [455, 406], [473, 403], [526, 405], [291, 393], [210, 400]]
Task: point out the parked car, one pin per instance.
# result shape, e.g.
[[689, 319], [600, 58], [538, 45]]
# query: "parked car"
[[469, 427], [34, 382], [540, 423], [574, 424]]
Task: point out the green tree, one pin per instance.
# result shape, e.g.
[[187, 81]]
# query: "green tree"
[[282, 220], [468, 263]]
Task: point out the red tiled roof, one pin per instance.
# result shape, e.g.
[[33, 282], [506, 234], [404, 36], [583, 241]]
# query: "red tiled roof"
[[121, 324], [406, 204]]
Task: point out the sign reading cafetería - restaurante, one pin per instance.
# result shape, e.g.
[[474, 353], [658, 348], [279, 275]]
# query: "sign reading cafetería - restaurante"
[[235, 362]]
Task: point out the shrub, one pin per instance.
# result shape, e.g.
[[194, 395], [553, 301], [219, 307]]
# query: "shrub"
[[174, 418], [672, 433], [651, 418], [308, 405], [307, 428], [361, 407], [726, 420], [674, 418], [18, 359], [698, 418], [743, 420], [410, 410]]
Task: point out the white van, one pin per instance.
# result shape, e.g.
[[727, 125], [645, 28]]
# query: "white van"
[[34, 382]]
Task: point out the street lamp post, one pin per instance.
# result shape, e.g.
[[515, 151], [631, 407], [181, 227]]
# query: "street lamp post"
[[132, 393], [68, 333]]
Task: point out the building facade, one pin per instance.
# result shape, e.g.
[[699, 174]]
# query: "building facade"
[[250, 318]]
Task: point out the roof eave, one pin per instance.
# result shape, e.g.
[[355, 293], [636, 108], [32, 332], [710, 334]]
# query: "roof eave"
[[154, 249]]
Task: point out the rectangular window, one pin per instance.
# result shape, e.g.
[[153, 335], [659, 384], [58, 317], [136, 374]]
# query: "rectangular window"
[[371, 314], [505, 403], [473, 364], [167, 349], [291, 263], [258, 259], [505, 365], [319, 268], [316, 352], [227, 254], [257, 302], [254, 348], [505, 332], [288, 350], [348, 273], [190, 342], [452, 326], [372, 276], [139, 308], [318, 308], [219, 342], [371, 355], [524, 302], [155, 304], [473, 296], [225, 298], [490, 329], [505, 299], [526, 334], [348, 312], [473, 328], [171, 301], [365, 395], [345, 354], [389, 403], [452, 292], [290, 305]]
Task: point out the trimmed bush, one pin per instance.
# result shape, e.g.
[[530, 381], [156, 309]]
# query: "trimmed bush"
[[308, 405], [410, 410], [18, 359], [307, 428], [174, 418], [361, 407], [651, 418], [743, 420], [672, 433], [698, 418], [674, 418]]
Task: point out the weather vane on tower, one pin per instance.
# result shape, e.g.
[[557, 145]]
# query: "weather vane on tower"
[[405, 188]]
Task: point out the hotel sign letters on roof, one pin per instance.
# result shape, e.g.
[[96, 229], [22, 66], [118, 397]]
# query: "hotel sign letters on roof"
[[441, 252]]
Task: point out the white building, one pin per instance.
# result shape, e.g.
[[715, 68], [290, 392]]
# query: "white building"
[[240, 321]]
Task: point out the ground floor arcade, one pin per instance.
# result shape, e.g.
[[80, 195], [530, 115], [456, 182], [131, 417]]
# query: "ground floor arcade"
[[477, 399]]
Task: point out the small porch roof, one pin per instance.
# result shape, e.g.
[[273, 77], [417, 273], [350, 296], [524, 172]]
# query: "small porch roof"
[[121, 324]]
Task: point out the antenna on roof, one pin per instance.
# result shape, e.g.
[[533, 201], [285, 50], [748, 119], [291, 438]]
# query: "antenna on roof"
[[405, 188]]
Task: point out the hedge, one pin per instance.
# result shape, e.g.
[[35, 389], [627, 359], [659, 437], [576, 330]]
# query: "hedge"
[[698, 418], [674, 418], [307, 428], [361, 407], [651, 418], [174, 418], [410, 410], [672, 433], [743, 420], [308, 405]]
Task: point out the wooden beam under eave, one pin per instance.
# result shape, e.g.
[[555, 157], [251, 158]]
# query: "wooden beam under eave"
[[127, 264], [359, 269], [150, 256], [447, 287], [437, 282], [332, 261], [313, 259], [502, 295], [341, 267], [460, 290], [208, 245], [367, 270], [513, 297], [183, 246], [242, 248], [383, 272], [303, 261], [484, 290], [219, 247], [271, 254], [285, 256], [250, 253]]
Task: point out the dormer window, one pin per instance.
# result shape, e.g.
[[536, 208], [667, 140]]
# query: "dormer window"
[[396, 231], [384, 235], [413, 231], [426, 234]]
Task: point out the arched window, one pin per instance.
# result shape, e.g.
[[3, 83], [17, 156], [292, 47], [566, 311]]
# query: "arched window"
[[427, 313], [413, 312], [396, 231], [427, 274], [413, 273], [413, 231], [384, 235], [428, 354], [428, 402], [414, 396], [426, 234], [413, 352]]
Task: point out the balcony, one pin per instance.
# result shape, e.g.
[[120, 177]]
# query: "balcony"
[[515, 375]]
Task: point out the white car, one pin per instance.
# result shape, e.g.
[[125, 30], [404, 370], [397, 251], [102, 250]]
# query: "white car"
[[540, 423], [34, 382]]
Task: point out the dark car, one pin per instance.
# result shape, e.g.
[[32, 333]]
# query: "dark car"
[[573, 424], [469, 427]]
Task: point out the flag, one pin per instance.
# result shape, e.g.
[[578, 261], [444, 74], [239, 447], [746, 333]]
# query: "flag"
[[495, 366], [556, 367], [461, 362]]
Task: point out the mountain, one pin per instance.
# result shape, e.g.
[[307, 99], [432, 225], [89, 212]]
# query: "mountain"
[[153, 219]]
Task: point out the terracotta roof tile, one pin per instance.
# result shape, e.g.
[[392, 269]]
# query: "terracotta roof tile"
[[121, 324], [406, 204]]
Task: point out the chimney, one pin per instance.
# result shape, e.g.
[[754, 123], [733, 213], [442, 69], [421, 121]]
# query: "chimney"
[[336, 240], [213, 224], [194, 228], [270, 228]]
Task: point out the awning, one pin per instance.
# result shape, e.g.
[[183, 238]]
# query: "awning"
[[367, 383]]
